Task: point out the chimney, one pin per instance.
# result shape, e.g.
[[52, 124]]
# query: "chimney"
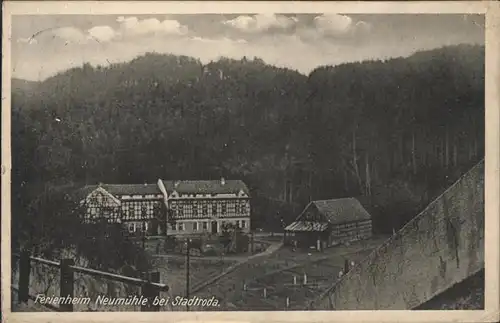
[[222, 181]]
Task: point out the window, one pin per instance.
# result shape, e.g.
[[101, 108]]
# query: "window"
[[137, 210], [224, 208], [106, 213], [180, 226], [233, 207], [187, 210], [131, 227], [204, 210], [214, 209], [125, 209], [243, 223], [195, 226], [195, 210], [144, 227], [205, 225]]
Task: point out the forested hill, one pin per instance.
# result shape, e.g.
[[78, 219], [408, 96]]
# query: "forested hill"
[[394, 133]]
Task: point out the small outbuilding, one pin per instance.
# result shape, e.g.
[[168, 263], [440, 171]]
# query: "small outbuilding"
[[329, 222]]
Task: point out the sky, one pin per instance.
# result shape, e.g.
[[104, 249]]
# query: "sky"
[[43, 45]]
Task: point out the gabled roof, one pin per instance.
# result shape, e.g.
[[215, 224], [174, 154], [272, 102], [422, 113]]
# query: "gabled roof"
[[339, 210], [121, 189], [105, 193], [206, 187]]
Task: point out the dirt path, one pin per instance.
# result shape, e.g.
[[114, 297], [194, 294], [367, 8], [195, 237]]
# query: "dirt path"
[[269, 251]]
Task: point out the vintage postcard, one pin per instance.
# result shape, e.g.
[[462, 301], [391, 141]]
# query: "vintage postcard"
[[250, 161]]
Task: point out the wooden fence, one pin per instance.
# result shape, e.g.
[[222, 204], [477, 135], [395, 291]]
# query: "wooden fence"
[[150, 286]]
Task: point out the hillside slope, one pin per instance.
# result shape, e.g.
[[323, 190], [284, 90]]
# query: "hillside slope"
[[393, 133]]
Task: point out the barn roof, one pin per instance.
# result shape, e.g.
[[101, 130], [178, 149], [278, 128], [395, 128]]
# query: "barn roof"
[[339, 210], [306, 226], [206, 186], [342, 210]]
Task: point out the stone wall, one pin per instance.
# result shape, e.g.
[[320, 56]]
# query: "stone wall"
[[441, 246]]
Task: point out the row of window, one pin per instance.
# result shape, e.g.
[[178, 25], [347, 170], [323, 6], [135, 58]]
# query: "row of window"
[[100, 200], [193, 195], [204, 208], [152, 209], [203, 225], [137, 226], [149, 196], [142, 209]]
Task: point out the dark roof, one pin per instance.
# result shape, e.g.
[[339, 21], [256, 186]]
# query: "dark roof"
[[206, 187], [340, 210], [123, 189], [131, 189]]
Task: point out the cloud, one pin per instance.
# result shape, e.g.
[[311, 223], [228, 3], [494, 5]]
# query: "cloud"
[[339, 25], [332, 24], [102, 33], [362, 26], [70, 35], [131, 26], [261, 22]]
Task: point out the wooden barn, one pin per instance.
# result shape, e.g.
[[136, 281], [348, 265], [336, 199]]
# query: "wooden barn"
[[329, 222]]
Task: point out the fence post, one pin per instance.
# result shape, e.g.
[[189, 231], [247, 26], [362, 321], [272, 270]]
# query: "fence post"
[[150, 292], [67, 284], [346, 265], [24, 276]]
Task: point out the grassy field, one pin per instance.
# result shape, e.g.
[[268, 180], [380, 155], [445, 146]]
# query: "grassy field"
[[173, 271], [275, 273]]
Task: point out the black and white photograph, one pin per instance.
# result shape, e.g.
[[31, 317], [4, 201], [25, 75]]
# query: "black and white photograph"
[[247, 162]]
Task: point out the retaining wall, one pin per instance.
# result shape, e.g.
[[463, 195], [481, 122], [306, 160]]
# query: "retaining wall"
[[440, 247]]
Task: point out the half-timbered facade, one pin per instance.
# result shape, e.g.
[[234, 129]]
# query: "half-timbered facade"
[[200, 207], [170, 207], [140, 207], [330, 222]]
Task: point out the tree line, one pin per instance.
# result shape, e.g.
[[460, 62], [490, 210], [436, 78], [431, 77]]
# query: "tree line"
[[394, 133]]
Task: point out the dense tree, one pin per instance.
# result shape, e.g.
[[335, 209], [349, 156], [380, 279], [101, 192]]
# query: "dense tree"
[[394, 133]]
